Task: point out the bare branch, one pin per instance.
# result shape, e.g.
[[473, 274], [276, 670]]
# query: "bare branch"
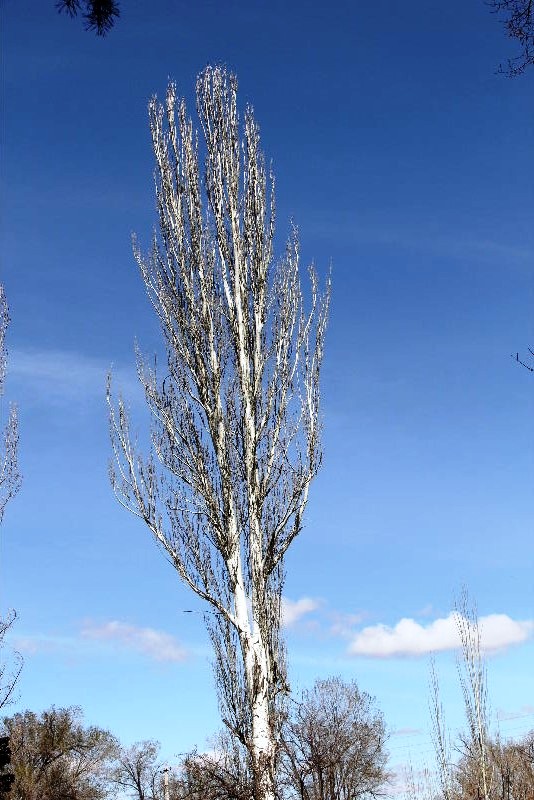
[[473, 680], [518, 18], [440, 737], [11, 668], [523, 363], [10, 478]]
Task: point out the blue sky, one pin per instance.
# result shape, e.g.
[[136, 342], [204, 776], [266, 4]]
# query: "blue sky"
[[407, 163]]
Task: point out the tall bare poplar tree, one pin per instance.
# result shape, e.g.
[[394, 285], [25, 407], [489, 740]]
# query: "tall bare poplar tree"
[[9, 485], [9, 472], [235, 435]]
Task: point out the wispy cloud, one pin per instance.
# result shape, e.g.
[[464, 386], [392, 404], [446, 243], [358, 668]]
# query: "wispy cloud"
[[343, 624], [158, 645], [294, 610], [403, 732], [410, 638], [60, 377], [31, 645], [439, 241], [518, 713]]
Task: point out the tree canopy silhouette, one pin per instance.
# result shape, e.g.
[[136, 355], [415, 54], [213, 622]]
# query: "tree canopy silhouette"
[[99, 15], [519, 25]]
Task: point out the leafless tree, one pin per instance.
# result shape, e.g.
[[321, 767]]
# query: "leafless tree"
[[235, 435], [138, 769], [223, 773], [514, 768], [474, 744], [473, 680], [9, 472], [334, 745], [510, 771], [420, 784], [440, 738], [9, 485], [518, 17], [478, 765]]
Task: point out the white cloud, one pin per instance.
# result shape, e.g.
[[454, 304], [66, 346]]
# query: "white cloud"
[[410, 638], [293, 610], [155, 644]]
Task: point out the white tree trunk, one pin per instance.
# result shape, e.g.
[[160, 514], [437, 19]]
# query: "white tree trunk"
[[263, 743], [257, 671]]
